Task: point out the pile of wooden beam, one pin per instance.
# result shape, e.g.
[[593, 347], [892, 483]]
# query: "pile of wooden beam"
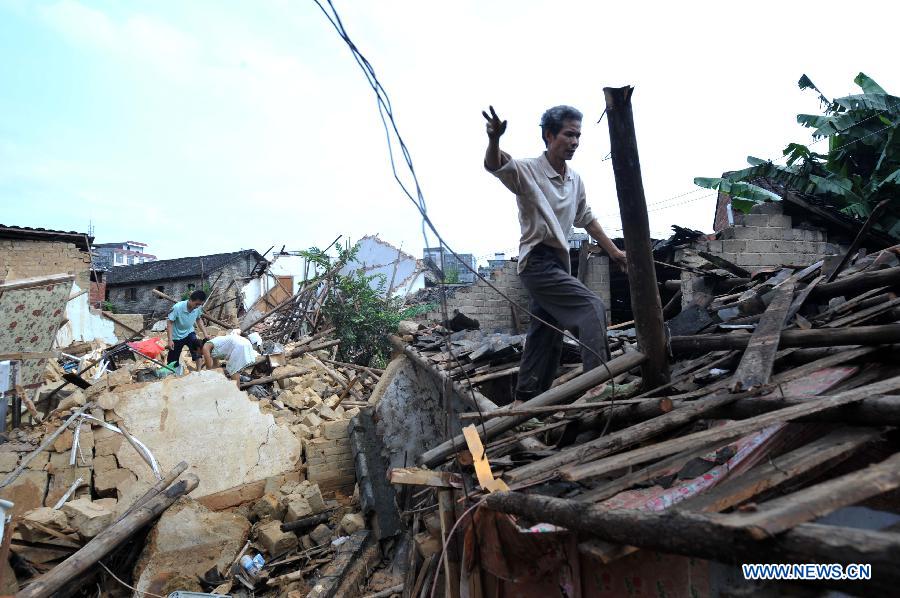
[[781, 402]]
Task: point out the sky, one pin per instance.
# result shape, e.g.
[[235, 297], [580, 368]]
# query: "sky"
[[207, 126]]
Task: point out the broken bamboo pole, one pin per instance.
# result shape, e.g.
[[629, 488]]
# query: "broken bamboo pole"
[[645, 302], [574, 387], [106, 541], [883, 334], [703, 536], [206, 317]]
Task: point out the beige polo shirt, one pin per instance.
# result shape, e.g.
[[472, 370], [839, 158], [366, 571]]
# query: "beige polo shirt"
[[549, 204]]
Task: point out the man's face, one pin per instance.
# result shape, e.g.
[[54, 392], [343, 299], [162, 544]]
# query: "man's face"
[[192, 305], [563, 145]]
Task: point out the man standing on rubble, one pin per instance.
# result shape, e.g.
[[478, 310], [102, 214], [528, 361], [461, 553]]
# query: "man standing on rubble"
[[551, 199], [180, 328]]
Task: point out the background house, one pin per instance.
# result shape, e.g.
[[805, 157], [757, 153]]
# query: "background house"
[[130, 288], [125, 253], [26, 252]]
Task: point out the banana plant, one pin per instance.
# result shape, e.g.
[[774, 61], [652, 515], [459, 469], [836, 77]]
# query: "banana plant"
[[860, 168]]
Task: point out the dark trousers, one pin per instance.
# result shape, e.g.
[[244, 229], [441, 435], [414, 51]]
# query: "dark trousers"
[[564, 301], [191, 342]]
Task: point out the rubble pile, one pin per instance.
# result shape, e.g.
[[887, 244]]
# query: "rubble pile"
[[779, 411], [262, 466]]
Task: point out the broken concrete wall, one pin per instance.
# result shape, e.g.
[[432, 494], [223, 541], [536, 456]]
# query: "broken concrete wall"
[[402, 274], [204, 419], [188, 541], [84, 324], [411, 417]]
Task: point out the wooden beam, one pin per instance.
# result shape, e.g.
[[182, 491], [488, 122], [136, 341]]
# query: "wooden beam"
[[702, 536], [206, 317], [783, 513], [857, 283], [611, 443], [756, 365], [871, 411], [726, 432], [883, 334], [665, 405], [645, 301], [830, 449], [554, 396], [106, 541], [874, 216]]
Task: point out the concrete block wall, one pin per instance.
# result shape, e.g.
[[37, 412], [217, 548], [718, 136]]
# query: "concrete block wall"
[[26, 259], [329, 459], [484, 304], [765, 238], [596, 278]]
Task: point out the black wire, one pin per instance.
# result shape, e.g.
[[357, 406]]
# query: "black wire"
[[385, 111]]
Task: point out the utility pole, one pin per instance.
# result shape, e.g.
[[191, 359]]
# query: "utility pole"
[[645, 302]]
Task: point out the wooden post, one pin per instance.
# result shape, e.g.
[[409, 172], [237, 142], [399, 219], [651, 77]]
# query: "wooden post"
[[106, 541], [645, 302]]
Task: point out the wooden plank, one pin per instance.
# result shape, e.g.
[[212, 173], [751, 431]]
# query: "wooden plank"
[[728, 431], [866, 314], [483, 471], [724, 264], [645, 475], [874, 215], [851, 303], [452, 551], [801, 297], [418, 476], [28, 355], [756, 365], [831, 449], [785, 512]]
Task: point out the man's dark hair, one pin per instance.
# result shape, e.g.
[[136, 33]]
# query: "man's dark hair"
[[553, 118], [198, 296]]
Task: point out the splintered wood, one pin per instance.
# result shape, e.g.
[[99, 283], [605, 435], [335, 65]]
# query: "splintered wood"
[[780, 377]]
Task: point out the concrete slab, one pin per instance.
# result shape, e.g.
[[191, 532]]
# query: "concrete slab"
[[186, 542], [203, 418]]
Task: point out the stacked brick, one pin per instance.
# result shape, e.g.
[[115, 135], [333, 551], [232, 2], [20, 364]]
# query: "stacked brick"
[[481, 302], [26, 259], [329, 458], [765, 238]]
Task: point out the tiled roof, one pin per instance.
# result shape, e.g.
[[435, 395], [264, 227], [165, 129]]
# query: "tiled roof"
[[183, 267], [80, 240]]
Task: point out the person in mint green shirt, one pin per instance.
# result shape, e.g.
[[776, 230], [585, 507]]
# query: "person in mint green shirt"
[[180, 328]]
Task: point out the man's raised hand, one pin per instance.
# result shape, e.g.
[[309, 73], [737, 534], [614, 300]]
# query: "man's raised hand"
[[494, 127]]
